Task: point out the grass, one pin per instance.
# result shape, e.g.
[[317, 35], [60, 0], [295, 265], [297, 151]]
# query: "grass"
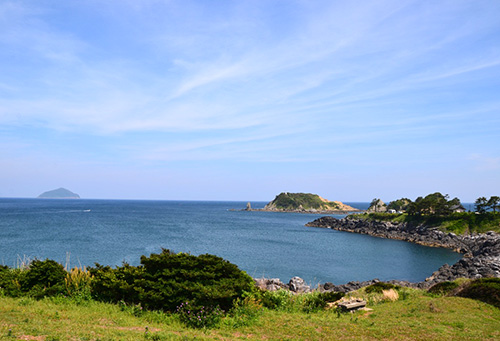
[[415, 315]]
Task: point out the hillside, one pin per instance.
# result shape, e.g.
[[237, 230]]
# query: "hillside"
[[414, 315], [60, 193], [305, 202]]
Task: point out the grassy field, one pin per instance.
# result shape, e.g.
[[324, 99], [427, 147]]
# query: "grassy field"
[[415, 315]]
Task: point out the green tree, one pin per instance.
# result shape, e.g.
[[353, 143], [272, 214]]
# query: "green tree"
[[494, 203], [435, 203], [481, 204], [400, 204]]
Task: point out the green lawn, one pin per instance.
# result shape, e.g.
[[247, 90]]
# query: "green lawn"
[[415, 316]]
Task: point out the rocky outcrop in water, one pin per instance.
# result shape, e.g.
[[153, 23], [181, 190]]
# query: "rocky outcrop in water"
[[481, 251]]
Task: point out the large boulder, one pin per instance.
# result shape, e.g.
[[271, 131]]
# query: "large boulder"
[[298, 285]]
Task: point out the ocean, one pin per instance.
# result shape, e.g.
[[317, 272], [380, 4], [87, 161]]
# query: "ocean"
[[264, 244]]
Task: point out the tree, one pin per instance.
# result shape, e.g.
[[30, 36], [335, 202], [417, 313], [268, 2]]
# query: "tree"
[[494, 203], [481, 204], [400, 204], [434, 203]]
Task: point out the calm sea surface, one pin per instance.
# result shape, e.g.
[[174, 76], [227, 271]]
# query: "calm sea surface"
[[267, 244]]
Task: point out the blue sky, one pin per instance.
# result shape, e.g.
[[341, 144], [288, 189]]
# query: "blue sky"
[[241, 100]]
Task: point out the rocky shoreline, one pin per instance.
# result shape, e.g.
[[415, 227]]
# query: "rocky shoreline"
[[481, 253]]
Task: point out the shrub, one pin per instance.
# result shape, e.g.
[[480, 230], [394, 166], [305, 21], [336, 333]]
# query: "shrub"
[[484, 289], [443, 288], [78, 284], [115, 285], [317, 301], [43, 278], [244, 312], [379, 287], [164, 281], [9, 281], [279, 300], [205, 280], [199, 317]]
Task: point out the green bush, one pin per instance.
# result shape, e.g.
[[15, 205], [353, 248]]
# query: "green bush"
[[443, 288], [484, 289], [9, 281], [115, 285], [43, 278], [379, 287], [282, 300], [318, 301], [164, 281], [244, 312]]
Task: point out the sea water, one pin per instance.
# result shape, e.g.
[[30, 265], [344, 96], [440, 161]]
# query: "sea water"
[[264, 244]]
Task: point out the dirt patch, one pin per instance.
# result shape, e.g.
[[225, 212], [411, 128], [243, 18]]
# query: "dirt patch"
[[31, 337]]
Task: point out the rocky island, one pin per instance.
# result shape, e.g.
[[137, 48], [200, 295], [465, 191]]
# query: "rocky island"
[[60, 193], [304, 203]]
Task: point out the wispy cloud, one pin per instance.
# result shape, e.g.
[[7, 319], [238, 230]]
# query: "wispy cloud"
[[165, 82], [485, 163]]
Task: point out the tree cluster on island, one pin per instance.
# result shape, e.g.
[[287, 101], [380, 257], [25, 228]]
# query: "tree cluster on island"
[[433, 204], [483, 205]]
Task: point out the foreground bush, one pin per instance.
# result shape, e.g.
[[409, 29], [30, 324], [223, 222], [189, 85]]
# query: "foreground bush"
[[379, 287], [43, 278], [164, 281], [284, 300], [484, 289], [443, 288]]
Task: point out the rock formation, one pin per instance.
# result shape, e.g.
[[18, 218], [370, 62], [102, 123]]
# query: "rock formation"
[[377, 205], [481, 251]]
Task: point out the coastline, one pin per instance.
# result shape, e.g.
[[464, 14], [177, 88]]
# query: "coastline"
[[481, 251]]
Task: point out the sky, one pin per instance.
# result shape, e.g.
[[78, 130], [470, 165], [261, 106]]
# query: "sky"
[[242, 100]]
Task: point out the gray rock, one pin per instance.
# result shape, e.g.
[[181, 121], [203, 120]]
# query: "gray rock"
[[298, 285], [482, 251]]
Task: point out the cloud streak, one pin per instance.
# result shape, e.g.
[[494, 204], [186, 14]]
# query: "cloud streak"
[[167, 82]]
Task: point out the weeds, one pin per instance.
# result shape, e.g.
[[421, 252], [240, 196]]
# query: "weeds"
[[244, 313], [199, 317]]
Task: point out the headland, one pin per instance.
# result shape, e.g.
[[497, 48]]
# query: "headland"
[[481, 250], [304, 203]]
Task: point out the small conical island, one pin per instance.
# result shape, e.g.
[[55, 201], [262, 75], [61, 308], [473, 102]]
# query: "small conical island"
[[60, 193]]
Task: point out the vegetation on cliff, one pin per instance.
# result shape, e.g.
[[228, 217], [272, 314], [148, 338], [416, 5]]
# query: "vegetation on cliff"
[[305, 202], [458, 223], [438, 211]]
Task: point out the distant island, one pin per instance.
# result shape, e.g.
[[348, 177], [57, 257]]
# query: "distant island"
[[60, 193], [304, 203]]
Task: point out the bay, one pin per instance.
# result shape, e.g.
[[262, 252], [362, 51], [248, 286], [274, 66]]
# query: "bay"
[[264, 244]]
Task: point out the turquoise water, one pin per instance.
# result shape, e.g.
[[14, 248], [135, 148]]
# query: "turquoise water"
[[266, 244]]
